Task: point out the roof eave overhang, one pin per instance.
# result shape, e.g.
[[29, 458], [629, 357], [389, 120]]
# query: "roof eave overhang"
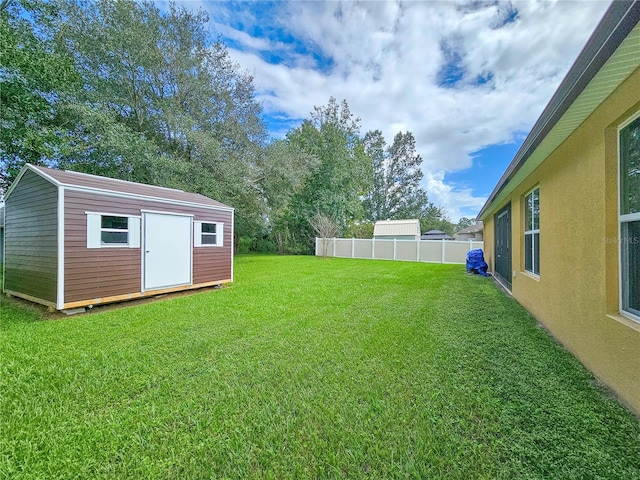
[[591, 79]]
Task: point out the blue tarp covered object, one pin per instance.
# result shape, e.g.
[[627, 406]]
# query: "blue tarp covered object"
[[476, 263]]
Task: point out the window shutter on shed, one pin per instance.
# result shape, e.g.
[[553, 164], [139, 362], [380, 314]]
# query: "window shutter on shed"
[[134, 232], [197, 234], [93, 230]]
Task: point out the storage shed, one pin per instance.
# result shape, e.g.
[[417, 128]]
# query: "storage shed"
[[73, 239], [397, 229]]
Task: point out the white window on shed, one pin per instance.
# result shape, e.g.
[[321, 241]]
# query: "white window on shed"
[[110, 230], [208, 234]]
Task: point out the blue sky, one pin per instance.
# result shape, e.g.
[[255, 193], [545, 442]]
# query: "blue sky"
[[467, 78]]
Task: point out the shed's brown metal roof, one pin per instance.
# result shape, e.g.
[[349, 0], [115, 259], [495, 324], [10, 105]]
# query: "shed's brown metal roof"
[[94, 182]]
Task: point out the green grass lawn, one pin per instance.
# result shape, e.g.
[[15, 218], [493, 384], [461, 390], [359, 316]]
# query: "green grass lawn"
[[307, 368]]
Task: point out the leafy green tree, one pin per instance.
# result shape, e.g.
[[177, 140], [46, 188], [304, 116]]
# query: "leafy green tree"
[[375, 202], [284, 171], [464, 222], [96, 143], [435, 218], [405, 197], [335, 186], [34, 77], [395, 187], [159, 82], [358, 229]]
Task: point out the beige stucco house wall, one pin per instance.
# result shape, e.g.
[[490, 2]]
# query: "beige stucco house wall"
[[574, 162]]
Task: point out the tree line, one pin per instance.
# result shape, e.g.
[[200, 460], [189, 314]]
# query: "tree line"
[[125, 90]]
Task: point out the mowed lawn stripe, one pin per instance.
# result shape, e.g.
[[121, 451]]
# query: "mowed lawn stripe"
[[307, 368]]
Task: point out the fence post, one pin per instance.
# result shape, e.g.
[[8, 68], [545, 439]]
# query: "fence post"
[[394, 248], [353, 247], [417, 250], [470, 244], [334, 246], [442, 254], [373, 249]]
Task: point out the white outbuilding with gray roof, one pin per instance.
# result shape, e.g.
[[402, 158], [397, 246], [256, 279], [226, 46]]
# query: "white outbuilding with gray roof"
[[397, 229]]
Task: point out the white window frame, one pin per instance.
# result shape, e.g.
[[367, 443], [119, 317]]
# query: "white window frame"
[[198, 233], [623, 219], [94, 230], [529, 231]]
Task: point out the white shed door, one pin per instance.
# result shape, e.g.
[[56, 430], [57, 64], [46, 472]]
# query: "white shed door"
[[167, 250]]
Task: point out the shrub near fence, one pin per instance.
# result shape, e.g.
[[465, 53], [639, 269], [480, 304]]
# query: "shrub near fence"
[[437, 251]]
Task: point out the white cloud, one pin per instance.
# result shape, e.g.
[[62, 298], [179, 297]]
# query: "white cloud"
[[386, 57], [457, 202], [244, 38]]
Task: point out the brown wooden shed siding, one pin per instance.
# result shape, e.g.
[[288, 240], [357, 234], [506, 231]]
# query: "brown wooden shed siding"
[[103, 272], [31, 238], [213, 263]]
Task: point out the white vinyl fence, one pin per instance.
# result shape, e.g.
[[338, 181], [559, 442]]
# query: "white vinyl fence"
[[437, 251]]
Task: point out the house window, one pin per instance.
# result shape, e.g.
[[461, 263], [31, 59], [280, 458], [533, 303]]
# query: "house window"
[[630, 218], [208, 234], [532, 232], [108, 230]]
